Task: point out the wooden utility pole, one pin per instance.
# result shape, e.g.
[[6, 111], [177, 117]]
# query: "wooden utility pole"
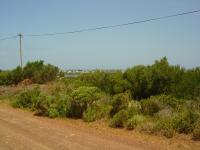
[[20, 49]]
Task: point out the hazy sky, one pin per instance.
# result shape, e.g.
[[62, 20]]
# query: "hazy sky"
[[177, 38]]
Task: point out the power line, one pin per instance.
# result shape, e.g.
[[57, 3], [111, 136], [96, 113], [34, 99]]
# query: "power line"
[[114, 26], [7, 38], [105, 27]]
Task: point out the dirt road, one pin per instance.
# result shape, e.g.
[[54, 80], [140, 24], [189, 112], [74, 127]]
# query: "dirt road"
[[21, 130]]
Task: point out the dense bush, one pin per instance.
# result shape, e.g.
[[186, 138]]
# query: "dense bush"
[[115, 83], [96, 112], [37, 71], [134, 121], [54, 106], [162, 78], [150, 106], [196, 131], [181, 122], [97, 78], [138, 76], [119, 102], [43, 104], [28, 98], [169, 101], [5, 78], [11, 77], [119, 120], [63, 105], [188, 86], [16, 75], [134, 108], [184, 121], [82, 98], [165, 127], [53, 112], [110, 82]]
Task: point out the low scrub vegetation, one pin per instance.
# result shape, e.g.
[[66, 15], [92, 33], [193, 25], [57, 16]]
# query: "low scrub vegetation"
[[91, 104], [157, 99]]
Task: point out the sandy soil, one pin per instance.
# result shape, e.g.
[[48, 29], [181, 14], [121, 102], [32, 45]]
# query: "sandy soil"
[[21, 130]]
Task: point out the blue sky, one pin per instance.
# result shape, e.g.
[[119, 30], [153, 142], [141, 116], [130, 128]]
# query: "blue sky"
[[177, 38]]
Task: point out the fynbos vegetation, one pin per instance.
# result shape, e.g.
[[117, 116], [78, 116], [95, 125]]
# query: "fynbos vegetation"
[[160, 98]]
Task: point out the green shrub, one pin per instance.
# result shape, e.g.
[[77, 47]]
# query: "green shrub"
[[165, 127], [192, 105], [5, 78], [184, 122], [168, 101], [134, 108], [150, 106], [47, 73], [119, 120], [27, 99], [53, 106], [16, 75], [109, 82], [188, 84], [119, 102], [11, 77], [82, 98], [63, 106], [181, 122], [95, 112], [134, 121], [39, 72], [53, 112], [196, 131], [43, 104], [138, 77]]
